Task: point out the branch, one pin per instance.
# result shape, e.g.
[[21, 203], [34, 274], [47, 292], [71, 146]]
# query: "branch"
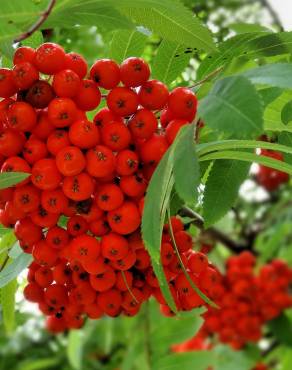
[[214, 233], [208, 77], [43, 17]]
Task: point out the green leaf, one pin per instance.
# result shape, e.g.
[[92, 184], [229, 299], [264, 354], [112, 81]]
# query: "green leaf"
[[286, 114], [279, 75], [127, 43], [214, 146], [273, 113], [228, 359], [39, 364], [14, 268], [7, 300], [8, 179], [248, 27], [190, 360], [170, 61], [249, 157], [170, 20], [222, 188], [249, 45], [156, 202], [186, 169], [281, 328], [34, 41], [171, 331], [234, 107], [103, 14], [270, 94], [285, 138], [75, 348]]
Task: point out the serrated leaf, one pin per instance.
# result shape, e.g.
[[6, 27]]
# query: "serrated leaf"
[[8, 179], [279, 75], [156, 199], [200, 360], [14, 268], [186, 169], [170, 20], [234, 107], [222, 188], [170, 61], [103, 14], [127, 43], [249, 45], [156, 202], [7, 300]]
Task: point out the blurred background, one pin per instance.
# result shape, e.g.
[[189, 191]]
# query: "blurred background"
[[109, 344]]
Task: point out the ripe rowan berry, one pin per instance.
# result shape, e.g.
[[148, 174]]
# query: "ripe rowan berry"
[[49, 58], [125, 219], [88, 96], [62, 112], [24, 75], [76, 63], [134, 72], [45, 174], [7, 85], [109, 197], [183, 103], [106, 73], [21, 116], [84, 134], [122, 101], [78, 187], [40, 94], [143, 124], [153, 95], [23, 54], [100, 161], [66, 83]]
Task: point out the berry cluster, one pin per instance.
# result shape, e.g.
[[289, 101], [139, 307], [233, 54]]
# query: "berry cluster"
[[270, 178], [79, 212], [247, 301]]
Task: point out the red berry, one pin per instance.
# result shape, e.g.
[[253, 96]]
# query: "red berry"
[[106, 73], [62, 112], [153, 95], [49, 58], [134, 72], [7, 85], [66, 83], [122, 101], [76, 63], [183, 103]]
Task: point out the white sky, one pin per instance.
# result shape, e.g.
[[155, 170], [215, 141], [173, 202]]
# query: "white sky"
[[284, 9]]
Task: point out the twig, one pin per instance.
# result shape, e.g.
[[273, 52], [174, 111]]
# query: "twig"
[[44, 15], [208, 77], [212, 232]]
